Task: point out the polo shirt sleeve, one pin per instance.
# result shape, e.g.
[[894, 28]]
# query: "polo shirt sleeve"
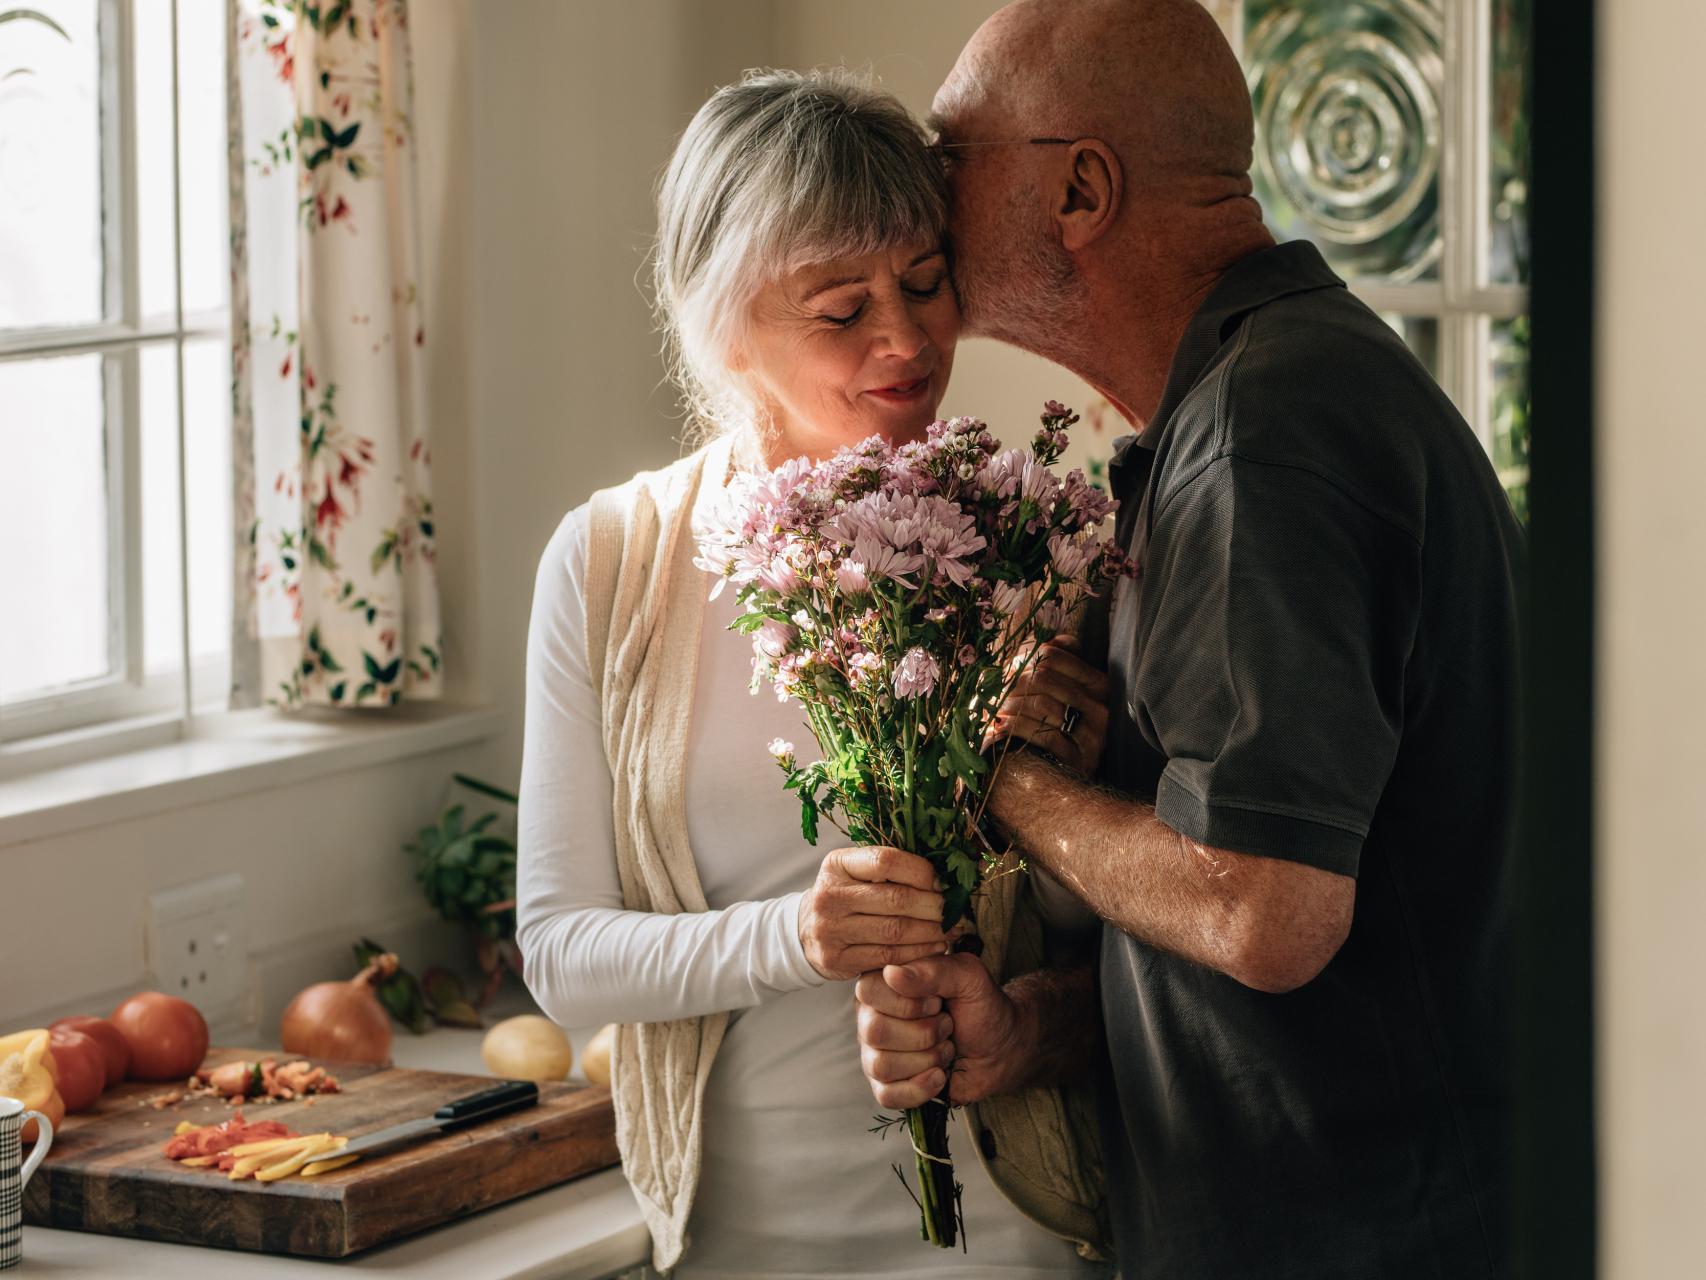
[[1279, 617]]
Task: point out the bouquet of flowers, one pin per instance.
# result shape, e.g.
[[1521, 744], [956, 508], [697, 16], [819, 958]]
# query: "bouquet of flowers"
[[898, 595]]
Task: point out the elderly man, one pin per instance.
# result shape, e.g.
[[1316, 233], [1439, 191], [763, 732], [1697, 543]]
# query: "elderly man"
[[1297, 834]]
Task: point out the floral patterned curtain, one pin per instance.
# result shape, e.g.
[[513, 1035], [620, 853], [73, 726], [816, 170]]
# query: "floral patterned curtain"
[[337, 592]]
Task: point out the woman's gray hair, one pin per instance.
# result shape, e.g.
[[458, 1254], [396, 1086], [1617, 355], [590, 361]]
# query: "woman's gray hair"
[[775, 172]]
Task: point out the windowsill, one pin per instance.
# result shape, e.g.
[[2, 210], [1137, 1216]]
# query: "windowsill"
[[230, 754]]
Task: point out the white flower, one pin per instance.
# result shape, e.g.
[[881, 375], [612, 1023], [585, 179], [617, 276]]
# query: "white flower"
[[783, 752]]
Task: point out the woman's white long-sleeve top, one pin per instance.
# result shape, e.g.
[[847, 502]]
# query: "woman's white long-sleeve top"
[[792, 1185]]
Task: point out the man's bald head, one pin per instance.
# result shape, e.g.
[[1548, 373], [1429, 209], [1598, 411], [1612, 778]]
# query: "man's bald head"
[[1156, 79], [1095, 253]]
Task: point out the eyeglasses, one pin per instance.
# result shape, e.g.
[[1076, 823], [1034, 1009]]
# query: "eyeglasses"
[[945, 150], [1002, 142]]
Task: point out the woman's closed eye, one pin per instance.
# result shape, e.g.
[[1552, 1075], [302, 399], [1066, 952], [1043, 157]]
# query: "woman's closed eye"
[[922, 291], [925, 291]]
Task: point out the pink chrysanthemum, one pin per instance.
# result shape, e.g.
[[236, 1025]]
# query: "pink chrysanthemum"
[[917, 673]]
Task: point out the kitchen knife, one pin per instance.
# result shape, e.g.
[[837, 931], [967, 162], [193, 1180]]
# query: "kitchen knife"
[[511, 1095]]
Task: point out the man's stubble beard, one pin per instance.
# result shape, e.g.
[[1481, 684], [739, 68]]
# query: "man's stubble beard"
[[1032, 298]]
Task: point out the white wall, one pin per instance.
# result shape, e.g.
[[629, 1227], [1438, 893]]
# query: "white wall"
[[1652, 614], [575, 110]]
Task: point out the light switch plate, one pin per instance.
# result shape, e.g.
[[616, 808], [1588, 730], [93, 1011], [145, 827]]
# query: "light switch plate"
[[193, 951]]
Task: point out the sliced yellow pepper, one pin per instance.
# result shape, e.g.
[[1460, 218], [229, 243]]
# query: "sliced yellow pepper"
[[29, 1074], [284, 1168], [315, 1168]]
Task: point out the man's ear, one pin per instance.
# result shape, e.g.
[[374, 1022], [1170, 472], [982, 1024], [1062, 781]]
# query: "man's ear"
[[1091, 197]]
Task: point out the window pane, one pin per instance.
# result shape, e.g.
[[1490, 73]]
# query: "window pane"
[[201, 84], [207, 389], [1509, 143], [207, 426], [50, 165], [1511, 407], [1348, 130], [53, 525], [162, 571], [206, 201], [1420, 334]]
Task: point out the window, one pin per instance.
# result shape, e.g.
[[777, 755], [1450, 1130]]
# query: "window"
[[1394, 134], [115, 473]]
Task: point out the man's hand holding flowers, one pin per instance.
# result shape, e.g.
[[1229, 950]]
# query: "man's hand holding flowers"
[[1059, 705]]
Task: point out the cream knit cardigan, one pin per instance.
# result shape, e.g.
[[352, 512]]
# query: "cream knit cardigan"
[[645, 603]]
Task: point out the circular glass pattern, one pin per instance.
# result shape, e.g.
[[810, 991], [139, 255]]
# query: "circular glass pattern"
[[1348, 129]]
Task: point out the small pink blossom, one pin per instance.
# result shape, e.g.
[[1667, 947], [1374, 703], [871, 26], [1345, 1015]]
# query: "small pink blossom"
[[773, 639], [917, 673], [851, 579], [865, 668], [1071, 556]]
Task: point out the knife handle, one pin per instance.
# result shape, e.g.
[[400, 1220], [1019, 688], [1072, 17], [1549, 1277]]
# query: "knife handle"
[[511, 1095]]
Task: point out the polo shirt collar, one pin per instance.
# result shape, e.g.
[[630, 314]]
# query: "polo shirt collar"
[[1294, 267]]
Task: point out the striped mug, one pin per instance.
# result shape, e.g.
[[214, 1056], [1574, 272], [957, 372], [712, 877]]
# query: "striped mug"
[[13, 1117]]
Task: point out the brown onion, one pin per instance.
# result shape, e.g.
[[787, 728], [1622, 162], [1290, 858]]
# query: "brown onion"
[[343, 1021]]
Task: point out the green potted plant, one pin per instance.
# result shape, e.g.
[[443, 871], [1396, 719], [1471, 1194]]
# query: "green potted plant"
[[465, 864]]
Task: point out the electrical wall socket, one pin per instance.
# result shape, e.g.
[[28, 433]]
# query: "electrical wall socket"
[[192, 943]]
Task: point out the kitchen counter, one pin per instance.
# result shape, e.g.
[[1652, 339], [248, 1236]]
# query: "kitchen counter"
[[586, 1229]]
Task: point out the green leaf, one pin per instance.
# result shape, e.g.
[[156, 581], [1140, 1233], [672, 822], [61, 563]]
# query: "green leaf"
[[808, 818], [474, 784], [964, 869], [747, 623], [347, 137], [381, 674], [968, 764], [954, 903], [34, 15]]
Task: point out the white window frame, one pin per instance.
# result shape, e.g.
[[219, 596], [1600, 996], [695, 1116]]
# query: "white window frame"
[[158, 707], [1463, 300]]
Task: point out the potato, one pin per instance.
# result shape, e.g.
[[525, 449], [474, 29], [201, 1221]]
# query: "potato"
[[528, 1047], [596, 1057]]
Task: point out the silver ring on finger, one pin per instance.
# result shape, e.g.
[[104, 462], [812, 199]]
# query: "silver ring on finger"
[[1069, 720]]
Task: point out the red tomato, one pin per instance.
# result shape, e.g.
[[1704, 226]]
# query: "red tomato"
[[167, 1036], [113, 1048], [82, 1067]]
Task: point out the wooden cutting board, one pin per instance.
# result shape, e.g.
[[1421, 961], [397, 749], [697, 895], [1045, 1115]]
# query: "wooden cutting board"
[[106, 1172]]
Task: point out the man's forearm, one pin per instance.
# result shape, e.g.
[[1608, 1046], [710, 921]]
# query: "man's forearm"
[[1267, 923]]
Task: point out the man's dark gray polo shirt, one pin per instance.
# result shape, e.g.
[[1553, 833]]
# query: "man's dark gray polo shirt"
[[1319, 664]]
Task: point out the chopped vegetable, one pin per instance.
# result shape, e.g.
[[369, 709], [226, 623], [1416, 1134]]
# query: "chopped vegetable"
[[318, 1167], [265, 1080], [265, 1150], [29, 1073]]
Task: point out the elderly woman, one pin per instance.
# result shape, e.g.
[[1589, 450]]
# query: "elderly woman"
[[801, 276]]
